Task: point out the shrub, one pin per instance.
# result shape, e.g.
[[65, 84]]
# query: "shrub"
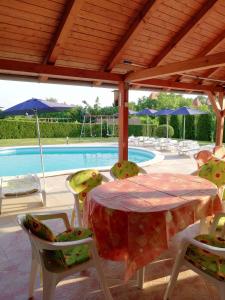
[[161, 131], [190, 127]]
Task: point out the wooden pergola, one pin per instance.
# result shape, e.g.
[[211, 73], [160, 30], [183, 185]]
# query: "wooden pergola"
[[157, 44]]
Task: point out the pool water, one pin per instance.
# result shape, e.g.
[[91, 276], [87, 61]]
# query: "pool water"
[[20, 161]]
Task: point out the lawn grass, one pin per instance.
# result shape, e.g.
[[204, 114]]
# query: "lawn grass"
[[52, 141]]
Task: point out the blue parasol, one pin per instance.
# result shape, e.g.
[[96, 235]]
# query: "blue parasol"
[[146, 112], [34, 106]]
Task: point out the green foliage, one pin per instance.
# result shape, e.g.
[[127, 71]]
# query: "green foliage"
[[161, 131], [142, 130], [190, 127], [162, 120], [11, 129], [204, 127], [175, 122]]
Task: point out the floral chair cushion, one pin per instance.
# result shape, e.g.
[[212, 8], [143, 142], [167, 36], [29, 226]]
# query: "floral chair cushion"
[[78, 254], [84, 181], [38, 228], [125, 169], [209, 263], [214, 171]]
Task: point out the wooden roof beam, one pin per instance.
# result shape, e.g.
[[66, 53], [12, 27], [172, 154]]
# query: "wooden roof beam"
[[184, 31], [169, 84], [210, 47], [200, 63], [34, 69], [129, 36], [69, 16]]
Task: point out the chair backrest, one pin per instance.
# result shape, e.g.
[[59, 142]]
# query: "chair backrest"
[[125, 169], [82, 182], [219, 152], [39, 243], [202, 157]]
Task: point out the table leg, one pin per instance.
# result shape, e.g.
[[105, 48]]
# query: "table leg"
[[141, 278]]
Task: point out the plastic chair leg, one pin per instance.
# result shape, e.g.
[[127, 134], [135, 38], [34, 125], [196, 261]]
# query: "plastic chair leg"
[[174, 275], [141, 278], [0, 205], [43, 198], [33, 277], [49, 285]]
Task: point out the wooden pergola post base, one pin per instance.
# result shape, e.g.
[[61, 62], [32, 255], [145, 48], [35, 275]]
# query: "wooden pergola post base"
[[219, 108], [123, 121]]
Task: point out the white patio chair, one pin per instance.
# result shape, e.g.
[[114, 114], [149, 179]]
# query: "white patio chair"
[[182, 258], [52, 276], [77, 209], [21, 186]]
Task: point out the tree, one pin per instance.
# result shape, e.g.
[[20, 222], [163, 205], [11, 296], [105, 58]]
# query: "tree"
[[174, 122], [204, 127], [190, 127]]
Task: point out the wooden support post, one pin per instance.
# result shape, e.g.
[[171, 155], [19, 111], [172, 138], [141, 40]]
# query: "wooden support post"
[[123, 121], [219, 130], [219, 108]]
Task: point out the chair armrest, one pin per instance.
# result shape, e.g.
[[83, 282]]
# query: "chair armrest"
[[45, 245], [212, 249], [62, 216], [104, 178], [68, 185], [215, 222], [195, 173], [142, 171]]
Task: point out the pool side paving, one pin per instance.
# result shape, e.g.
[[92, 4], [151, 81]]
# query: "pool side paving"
[[15, 253]]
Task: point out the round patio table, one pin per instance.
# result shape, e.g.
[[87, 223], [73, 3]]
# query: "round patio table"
[[133, 219]]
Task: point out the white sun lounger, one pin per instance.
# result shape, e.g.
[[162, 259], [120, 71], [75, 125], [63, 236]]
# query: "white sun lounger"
[[20, 186]]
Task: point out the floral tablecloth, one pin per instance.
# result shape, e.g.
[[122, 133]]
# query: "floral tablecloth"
[[134, 219]]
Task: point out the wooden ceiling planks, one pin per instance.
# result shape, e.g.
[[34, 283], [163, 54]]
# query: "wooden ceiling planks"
[[26, 30]]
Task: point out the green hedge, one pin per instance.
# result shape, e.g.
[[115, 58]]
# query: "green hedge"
[[11, 129], [204, 127]]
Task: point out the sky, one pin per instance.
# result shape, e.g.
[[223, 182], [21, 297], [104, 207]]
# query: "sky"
[[14, 92]]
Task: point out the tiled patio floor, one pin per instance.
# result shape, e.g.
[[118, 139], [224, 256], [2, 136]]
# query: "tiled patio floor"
[[15, 254]]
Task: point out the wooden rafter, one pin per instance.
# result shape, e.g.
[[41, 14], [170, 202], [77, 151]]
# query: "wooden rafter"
[[185, 30], [169, 84], [200, 63], [209, 48], [69, 16], [129, 36], [33, 69]]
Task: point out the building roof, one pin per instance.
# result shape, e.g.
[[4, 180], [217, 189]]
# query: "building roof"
[[172, 45]]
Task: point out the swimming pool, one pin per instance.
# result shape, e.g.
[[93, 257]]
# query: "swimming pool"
[[25, 160]]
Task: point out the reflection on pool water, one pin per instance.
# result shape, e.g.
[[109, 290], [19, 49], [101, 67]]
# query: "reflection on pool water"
[[25, 160]]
